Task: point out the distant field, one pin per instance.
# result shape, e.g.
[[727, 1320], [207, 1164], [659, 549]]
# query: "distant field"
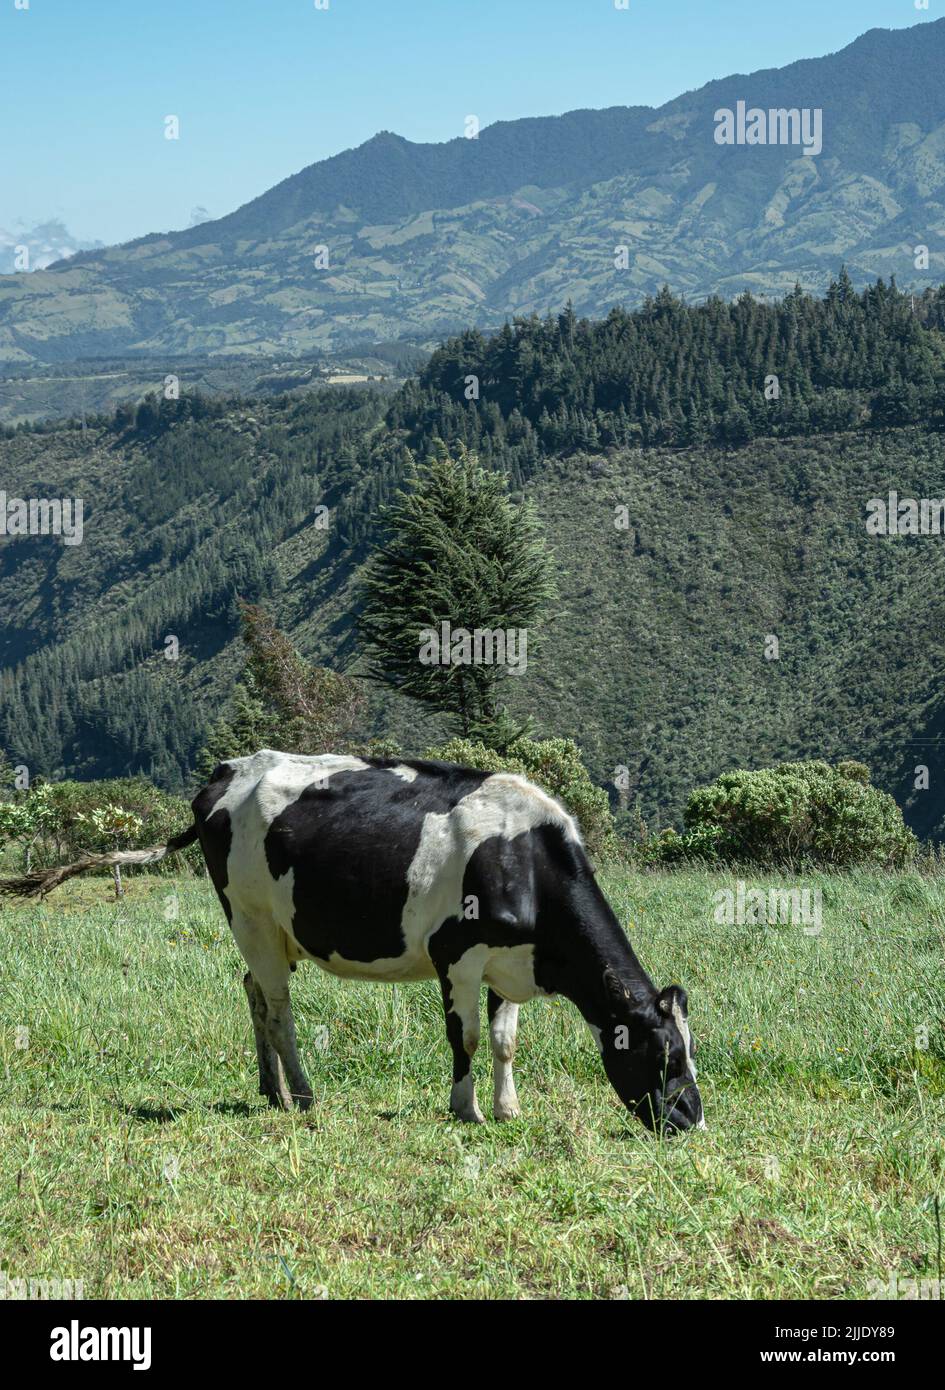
[[136, 1155]]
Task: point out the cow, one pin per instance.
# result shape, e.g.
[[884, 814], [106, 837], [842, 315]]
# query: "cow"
[[390, 870]]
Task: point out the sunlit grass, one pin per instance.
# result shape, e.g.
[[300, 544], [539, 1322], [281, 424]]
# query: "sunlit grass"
[[136, 1155]]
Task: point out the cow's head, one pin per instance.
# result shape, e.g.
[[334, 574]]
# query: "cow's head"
[[647, 1050]]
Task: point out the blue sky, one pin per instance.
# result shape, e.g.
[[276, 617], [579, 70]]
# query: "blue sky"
[[264, 87]]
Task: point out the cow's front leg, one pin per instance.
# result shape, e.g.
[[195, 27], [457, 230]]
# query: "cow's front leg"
[[461, 981], [503, 1024]]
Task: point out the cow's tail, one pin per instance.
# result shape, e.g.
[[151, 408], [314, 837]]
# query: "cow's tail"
[[38, 884]]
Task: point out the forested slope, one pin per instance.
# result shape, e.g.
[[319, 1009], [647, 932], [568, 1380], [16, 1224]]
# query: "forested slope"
[[655, 658]]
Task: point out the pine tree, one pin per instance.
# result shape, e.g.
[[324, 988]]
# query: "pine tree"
[[458, 552]]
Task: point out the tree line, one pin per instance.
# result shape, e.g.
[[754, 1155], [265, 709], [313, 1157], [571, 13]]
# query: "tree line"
[[672, 374]]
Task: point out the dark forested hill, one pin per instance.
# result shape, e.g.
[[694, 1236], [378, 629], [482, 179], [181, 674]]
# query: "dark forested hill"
[[396, 240], [692, 518], [676, 374], [185, 510]]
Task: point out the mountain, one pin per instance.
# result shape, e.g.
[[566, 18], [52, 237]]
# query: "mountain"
[[743, 519], [425, 238]]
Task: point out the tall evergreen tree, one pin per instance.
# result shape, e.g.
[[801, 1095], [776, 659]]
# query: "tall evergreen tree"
[[459, 552]]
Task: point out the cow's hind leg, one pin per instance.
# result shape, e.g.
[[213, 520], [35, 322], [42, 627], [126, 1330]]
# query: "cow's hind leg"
[[262, 946], [503, 1023], [280, 1029], [272, 1082], [461, 982]]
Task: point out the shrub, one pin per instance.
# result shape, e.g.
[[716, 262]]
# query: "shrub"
[[26, 819], [554, 764], [125, 813], [706, 843], [808, 812]]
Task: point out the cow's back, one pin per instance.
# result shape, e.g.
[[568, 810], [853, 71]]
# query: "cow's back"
[[360, 860]]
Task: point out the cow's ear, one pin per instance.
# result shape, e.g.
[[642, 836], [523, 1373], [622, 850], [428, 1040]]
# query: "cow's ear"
[[615, 987], [673, 994]]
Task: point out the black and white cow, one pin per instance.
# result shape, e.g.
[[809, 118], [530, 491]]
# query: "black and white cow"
[[383, 870], [386, 870]]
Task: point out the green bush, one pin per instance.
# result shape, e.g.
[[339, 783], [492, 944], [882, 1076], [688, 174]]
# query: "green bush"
[[706, 843], [555, 765], [795, 812], [80, 813]]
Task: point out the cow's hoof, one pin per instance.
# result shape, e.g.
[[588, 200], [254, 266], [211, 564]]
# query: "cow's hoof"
[[303, 1100], [469, 1117], [463, 1102], [507, 1112]]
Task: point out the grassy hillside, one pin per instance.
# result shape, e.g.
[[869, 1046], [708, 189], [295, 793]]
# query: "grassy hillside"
[[135, 1153], [425, 239]]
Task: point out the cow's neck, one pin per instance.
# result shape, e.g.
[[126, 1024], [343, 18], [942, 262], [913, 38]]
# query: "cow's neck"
[[589, 960]]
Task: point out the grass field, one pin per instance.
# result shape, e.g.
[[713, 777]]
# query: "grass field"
[[136, 1155]]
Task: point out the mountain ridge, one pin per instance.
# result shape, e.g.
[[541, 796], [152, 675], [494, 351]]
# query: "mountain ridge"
[[387, 138], [426, 238]]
